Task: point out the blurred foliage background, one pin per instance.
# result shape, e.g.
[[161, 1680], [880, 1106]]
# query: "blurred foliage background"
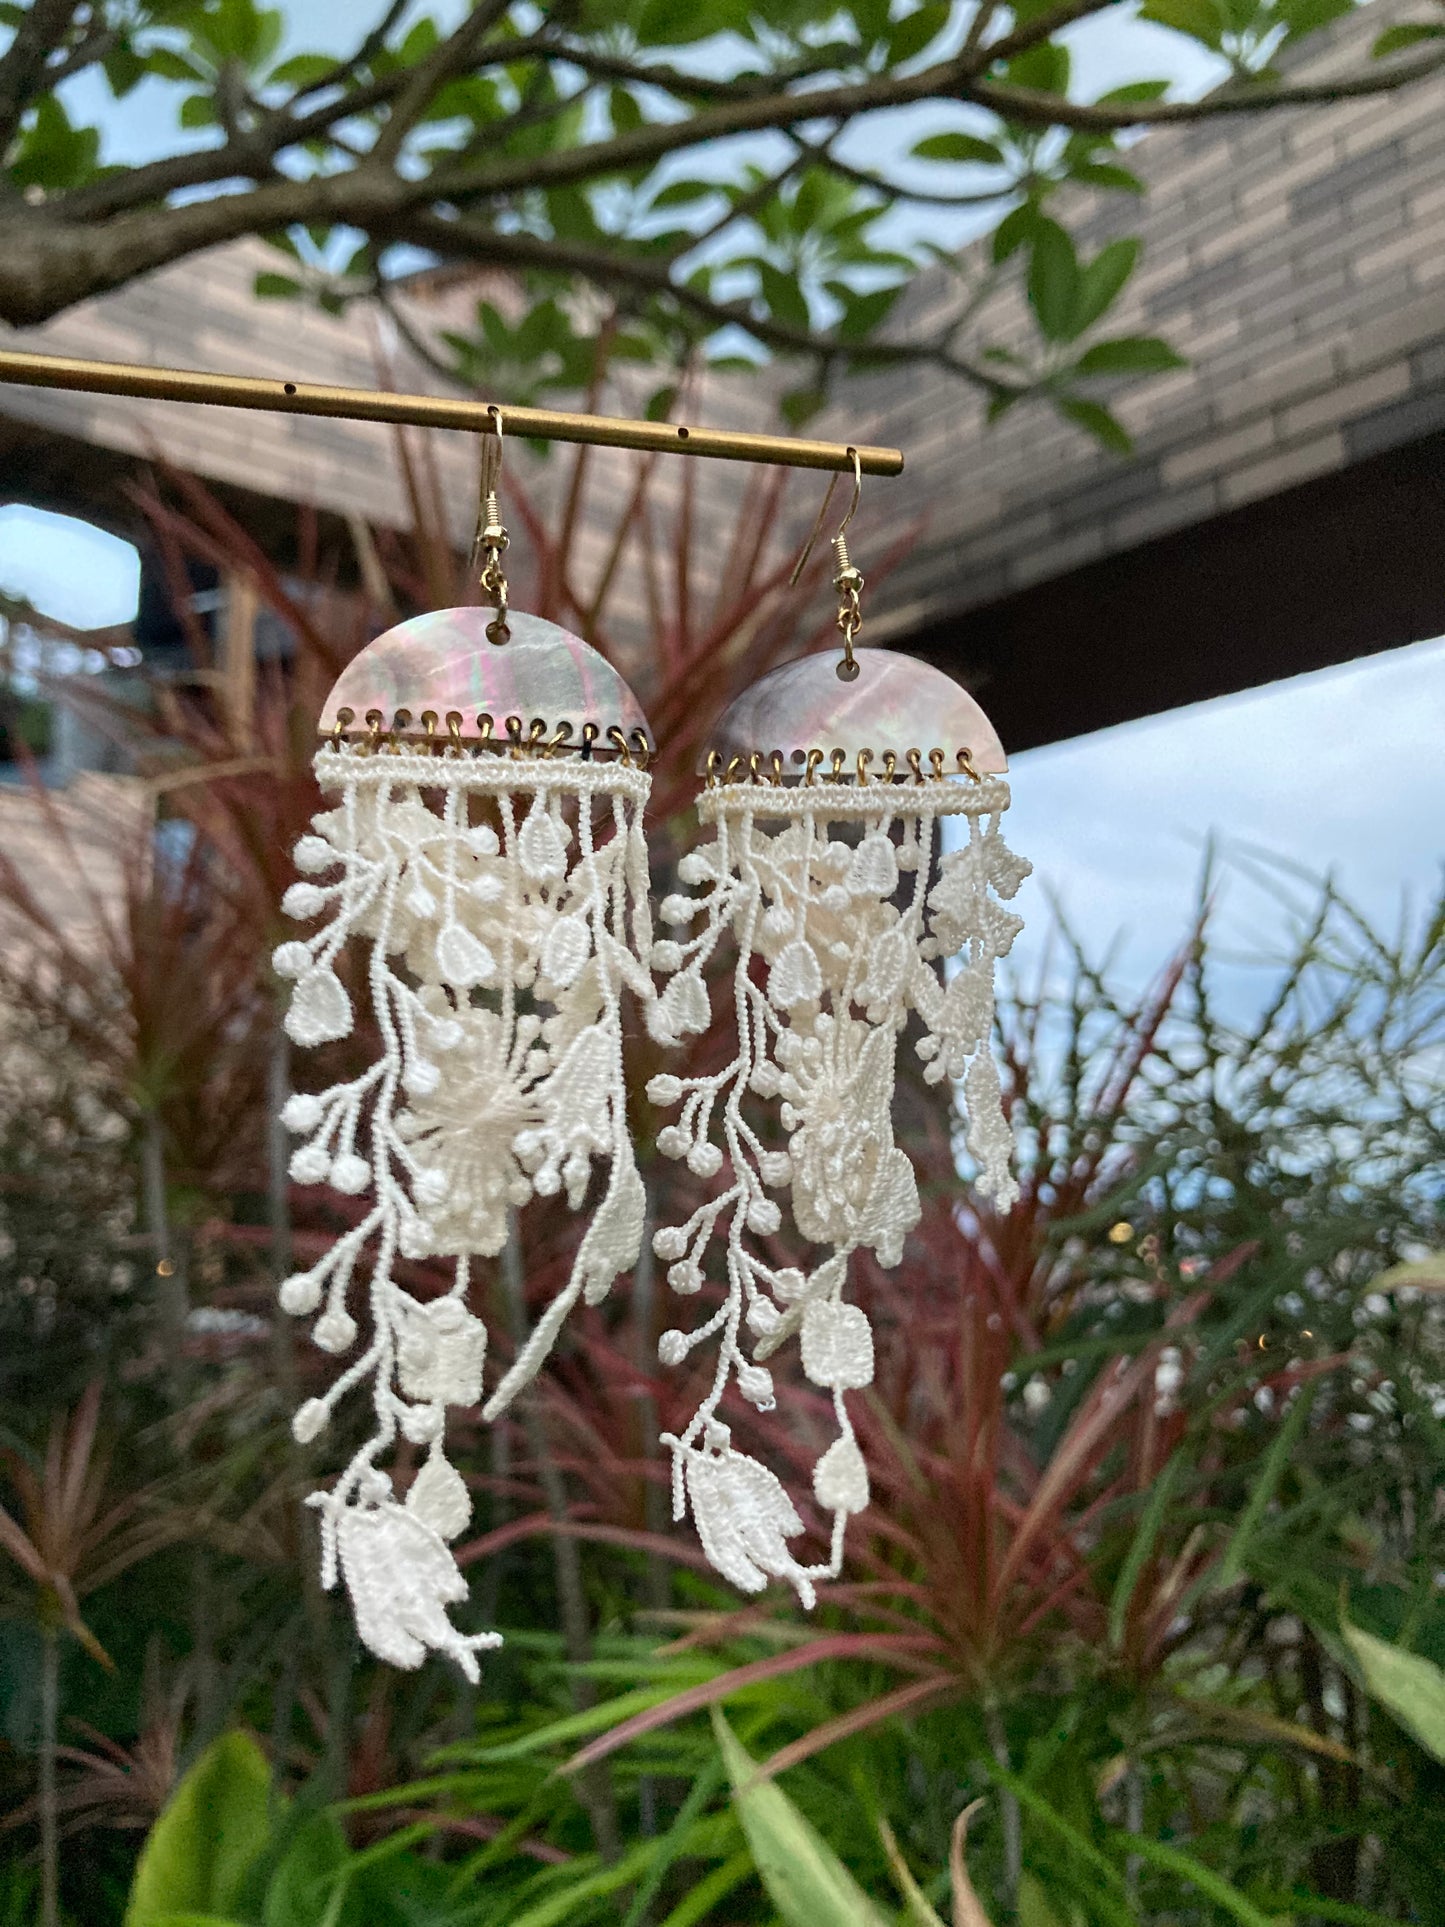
[[1147, 1621]]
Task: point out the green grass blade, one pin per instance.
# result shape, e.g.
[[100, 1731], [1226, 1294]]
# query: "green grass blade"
[[674, 1842], [710, 1890], [1264, 1487], [1143, 1545], [1209, 1883]]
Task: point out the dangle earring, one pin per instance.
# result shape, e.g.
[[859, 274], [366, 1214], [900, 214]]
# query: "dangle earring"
[[825, 804], [484, 780]]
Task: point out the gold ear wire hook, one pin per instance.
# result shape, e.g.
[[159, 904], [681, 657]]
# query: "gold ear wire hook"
[[847, 580], [491, 537], [817, 530], [822, 515]]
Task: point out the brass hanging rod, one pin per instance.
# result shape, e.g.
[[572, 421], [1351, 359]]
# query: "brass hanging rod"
[[433, 411]]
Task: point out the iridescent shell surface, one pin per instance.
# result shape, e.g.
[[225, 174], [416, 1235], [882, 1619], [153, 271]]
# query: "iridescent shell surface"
[[896, 703], [444, 662]]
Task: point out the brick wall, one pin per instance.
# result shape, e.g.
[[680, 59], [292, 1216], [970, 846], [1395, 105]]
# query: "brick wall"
[[1297, 259]]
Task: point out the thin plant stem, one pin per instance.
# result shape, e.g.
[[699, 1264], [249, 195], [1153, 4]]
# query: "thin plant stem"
[[172, 1295], [1009, 1817], [49, 1734]]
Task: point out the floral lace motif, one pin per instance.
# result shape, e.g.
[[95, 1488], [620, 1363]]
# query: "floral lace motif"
[[501, 931], [843, 906]]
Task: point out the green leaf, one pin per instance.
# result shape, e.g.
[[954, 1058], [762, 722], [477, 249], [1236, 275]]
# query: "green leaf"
[[1134, 93], [908, 37], [1129, 355], [785, 299], [1101, 281], [1212, 1885], [1163, 1488], [1303, 17], [1107, 175], [805, 1879], [1015, 229], [198, 110], [302, 70], [673, 23], [1055, 285], [1199, 19], [192, 1920], [1300, 1905], [123, 69], [1409, 34], [678, 193], [1263, 1489], [1097, 421], [276, 287], [709, 1891], [1421, 1274], [167, 64], [305, 1879], [1044, 68], [1033, 1905], [52, 153], [800, 406], [212, 1831], [627, 115], [1410, 1688], [863, 313], [958, 147]]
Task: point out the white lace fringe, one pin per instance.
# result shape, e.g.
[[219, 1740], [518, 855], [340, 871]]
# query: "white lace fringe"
[[844, 967], [497, 957]]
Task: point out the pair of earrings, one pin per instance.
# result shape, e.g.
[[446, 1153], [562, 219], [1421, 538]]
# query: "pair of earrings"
[[485, 780]]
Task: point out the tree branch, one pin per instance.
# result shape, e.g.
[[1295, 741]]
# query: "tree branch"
[[353, 63], [891, 191], [638, 275], [647, 145], [602, 65], [22, 65], [1041, 28], [429, 76], [252, 158], [94, 44], [1051, 110]]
